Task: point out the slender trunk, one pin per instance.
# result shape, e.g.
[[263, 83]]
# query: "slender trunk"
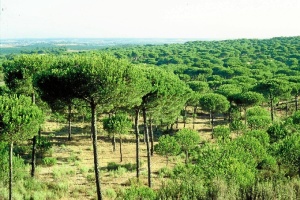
[[167, 157], [148, 147], [177, 123], [69, 121], [272, 109], [10, 170], [121, 155], [137, 141], [186, 157], [151, 136], [94, 137], [114, 142], [33, 156]]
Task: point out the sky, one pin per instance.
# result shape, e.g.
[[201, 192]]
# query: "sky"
[[207, 19]]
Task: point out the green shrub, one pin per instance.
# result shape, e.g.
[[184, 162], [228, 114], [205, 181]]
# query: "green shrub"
[[49, 161], [110, 193], [222, 133], [137, 193], [112, 166]]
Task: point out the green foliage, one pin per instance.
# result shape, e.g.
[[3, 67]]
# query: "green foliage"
[[112, 166], [187, 139], [119, 123], [19, 118], [296, 117], [18, 162], [138, 193], [215, 103], [273, 88], [237, 126], [261, 136], [49, 161], [222, 133], [277, 131], [258, 118], [19, 72], [257, 111], [247, 99], [258, 122], [288, 152], [183, 188], [167, 146]]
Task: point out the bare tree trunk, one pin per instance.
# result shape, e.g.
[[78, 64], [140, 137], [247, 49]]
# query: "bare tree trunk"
[[114, 142], [177, 121], [186, 157], [272, 109], [94, 137], [151, 136], [137, 141], [121, 155], [148, 146], [10, 170], [69, 121], [33, 156]]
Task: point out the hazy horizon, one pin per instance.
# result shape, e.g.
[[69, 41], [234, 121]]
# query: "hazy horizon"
[[157, 19]]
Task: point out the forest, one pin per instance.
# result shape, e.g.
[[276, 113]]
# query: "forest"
[[199, 120]]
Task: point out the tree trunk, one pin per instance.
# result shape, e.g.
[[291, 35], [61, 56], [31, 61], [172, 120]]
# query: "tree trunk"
[[33, 156], [69, 121], [94, 137], [272, 109], [137, 141], [10, 170], [151, 136], [113, 141], [186, 157], [121, 155], [147, 144], [177, 121], [184, 117], [167, 157]]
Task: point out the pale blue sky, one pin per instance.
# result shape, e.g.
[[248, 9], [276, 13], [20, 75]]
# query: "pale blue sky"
[[149, 18]]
